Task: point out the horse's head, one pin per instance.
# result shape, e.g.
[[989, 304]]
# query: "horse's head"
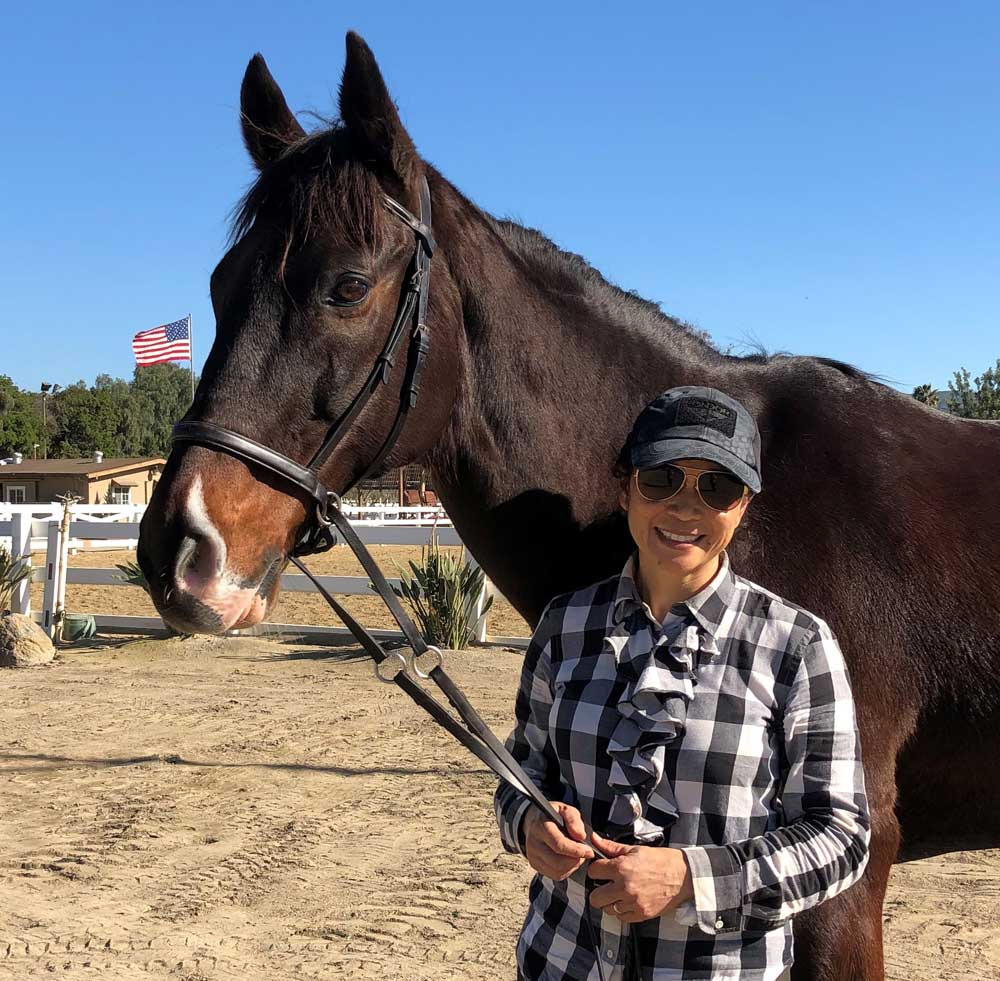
[[304, 301]]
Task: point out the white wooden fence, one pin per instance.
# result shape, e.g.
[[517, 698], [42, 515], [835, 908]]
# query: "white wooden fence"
[[104, 525]]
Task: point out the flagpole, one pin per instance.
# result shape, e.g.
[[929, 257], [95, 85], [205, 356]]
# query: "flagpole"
[[191, 359]]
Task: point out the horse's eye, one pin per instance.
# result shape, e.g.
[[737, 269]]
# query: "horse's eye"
[[348, 291]]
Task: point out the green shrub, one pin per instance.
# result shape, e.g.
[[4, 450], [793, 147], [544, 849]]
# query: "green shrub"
[[132, 574], [12, 573], [443, 590]]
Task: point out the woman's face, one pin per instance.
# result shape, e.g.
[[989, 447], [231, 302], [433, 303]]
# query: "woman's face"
[[685, 514]]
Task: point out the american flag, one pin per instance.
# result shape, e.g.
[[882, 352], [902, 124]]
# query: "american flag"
[[169, 342]]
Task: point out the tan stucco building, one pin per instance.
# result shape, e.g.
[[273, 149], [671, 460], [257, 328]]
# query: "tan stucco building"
[[94, 480]]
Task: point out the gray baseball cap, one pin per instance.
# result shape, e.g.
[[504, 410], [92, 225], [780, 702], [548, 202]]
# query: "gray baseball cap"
[[693, 422]]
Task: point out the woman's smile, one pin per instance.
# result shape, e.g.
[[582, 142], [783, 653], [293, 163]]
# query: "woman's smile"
[[679, 540]]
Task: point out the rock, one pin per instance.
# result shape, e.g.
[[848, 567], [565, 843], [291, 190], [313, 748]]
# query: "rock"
[[23, 644]]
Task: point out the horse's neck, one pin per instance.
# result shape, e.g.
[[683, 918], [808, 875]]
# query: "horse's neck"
[[552, 383], [548, 377]]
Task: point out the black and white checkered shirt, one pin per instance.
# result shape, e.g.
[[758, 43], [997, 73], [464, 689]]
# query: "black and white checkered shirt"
[[727, 731]]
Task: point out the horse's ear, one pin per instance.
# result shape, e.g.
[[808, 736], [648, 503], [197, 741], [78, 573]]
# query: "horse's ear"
[[370, 115], [268, 124]]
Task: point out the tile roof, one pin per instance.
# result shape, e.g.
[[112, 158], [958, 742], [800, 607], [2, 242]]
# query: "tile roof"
[[79, 467]]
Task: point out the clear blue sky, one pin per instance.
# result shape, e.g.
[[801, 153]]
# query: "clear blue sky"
[[821, 178]]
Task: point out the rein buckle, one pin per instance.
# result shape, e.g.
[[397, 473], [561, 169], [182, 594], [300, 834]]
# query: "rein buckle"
[[323, 508], [408, 663]]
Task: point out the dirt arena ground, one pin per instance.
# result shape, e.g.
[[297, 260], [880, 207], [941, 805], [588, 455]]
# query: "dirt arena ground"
[[260, 809]]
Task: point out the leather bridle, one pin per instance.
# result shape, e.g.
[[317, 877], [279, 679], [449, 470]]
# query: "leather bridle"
[[412, 309], [425, 661]]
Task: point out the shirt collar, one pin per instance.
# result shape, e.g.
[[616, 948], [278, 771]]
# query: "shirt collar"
[[708, 605]]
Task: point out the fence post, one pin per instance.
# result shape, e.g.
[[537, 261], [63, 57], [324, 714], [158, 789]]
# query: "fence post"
[[479, 631], [20, 547], [53, 554], [68, 500]]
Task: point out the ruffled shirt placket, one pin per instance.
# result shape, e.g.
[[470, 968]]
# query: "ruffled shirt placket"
[[659, 664]]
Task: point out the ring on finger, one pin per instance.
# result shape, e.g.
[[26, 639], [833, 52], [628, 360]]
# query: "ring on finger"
[[615, 909]]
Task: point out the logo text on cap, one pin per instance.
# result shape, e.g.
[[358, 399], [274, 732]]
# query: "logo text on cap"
[[695, 411]]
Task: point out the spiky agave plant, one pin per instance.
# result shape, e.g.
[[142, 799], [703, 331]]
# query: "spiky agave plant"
[[12, 573], [132, 574], [443, 590]]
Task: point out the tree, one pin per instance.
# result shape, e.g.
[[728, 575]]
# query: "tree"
[[117, 417], [20, 421], [927, 395], [161, 394], [979, 399], [86, 420], [128, 427]]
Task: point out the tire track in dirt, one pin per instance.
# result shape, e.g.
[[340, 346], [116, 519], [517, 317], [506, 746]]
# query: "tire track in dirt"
[[98, 827], [246, 872], [425, 898]]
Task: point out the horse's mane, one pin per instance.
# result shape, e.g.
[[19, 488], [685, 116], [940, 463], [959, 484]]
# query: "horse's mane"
[[760, 355], [568, 273], [320, 179], [852, 371]]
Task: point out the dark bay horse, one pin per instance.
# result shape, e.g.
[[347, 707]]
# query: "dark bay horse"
[[878, 513]]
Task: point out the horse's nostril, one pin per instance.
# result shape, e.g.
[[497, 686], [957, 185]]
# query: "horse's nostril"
[[185, 555], [199, 563]]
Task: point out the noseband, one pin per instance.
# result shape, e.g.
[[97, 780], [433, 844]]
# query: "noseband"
[[412, 309]]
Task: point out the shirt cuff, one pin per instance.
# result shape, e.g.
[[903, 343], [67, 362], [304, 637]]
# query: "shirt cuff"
[[717, 876], [512, 828]]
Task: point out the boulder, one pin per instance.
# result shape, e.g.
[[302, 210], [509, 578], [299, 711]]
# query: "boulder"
[[23, 644]]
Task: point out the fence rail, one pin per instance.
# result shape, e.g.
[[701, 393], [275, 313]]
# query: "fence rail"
[[418, 516], [118, 526]]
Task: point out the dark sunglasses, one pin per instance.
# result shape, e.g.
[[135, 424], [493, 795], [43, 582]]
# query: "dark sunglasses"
[[718, 489]]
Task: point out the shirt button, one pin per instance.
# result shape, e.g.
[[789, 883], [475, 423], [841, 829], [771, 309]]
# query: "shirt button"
[[609, 954], [719, 924]]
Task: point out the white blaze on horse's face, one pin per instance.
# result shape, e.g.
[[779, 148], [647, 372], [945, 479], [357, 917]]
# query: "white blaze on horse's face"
[[201, 571]]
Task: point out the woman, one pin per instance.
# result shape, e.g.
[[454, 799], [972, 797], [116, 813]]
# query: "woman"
[[701, 725]]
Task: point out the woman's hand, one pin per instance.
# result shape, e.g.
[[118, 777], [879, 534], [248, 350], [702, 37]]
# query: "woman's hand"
[[640, 882], [548, 850]]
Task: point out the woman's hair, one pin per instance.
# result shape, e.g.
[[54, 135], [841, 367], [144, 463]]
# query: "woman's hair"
[[621, 469]]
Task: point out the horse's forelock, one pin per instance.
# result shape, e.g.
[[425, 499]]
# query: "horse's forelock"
[[317, 182]]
